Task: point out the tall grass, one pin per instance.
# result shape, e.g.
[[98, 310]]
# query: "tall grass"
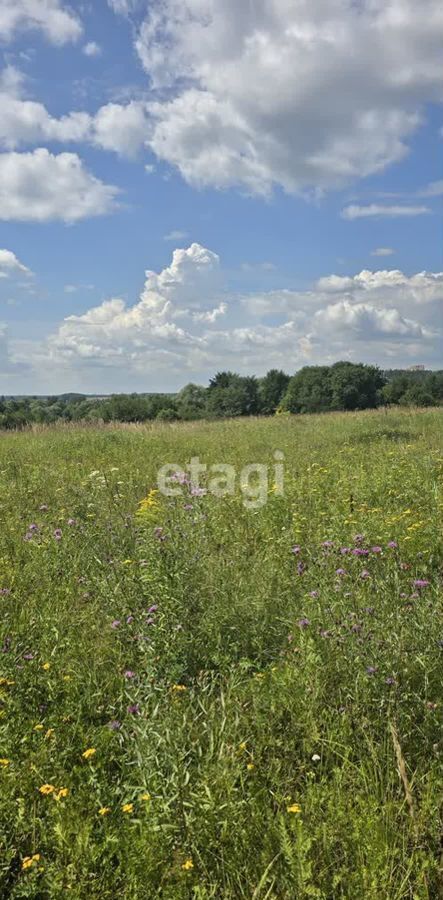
[[262, 706]]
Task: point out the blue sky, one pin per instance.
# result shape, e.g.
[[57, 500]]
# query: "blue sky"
[[192, 186]]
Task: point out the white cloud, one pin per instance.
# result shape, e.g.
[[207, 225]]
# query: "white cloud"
[[175, 236], [57, 22], [173, 332], [92, 49], [434, 189], [382, 251], [40, 186], [10, 265], [377, 210], [289, 92]]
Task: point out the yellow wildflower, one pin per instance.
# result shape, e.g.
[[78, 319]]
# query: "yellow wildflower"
[[178, 688], [6, 681], [187, 865], [145, 797], [62, 792], [250, 766], [49, 733], [30, 860], [128, 808], [4, 762], [242, 746], [89, 752], [38, 727], [104, 810], [46, 666], [47, 789], [294, 808]]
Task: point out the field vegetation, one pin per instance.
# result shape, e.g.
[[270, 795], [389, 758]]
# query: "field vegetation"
[[204, 700]]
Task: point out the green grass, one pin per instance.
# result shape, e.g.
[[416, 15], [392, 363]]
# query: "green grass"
[[252, 666]]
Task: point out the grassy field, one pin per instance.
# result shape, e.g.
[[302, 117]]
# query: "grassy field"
[[201, 700]]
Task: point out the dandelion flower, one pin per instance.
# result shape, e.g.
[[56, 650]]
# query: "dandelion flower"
[[293, 808], [145, 797], [89, 752], [46, 666], [29, 861], [61, 793], [250, 766], [4, 762], [38, 727], [187, 865], [128, 808], [104, 810], [49, 733], [47, 789], [178, 688]]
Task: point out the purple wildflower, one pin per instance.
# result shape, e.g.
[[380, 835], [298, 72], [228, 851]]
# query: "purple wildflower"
[[295, 549], [129, 619], [188, 506], [313, 594], [4, 592], [365, 574], [28, 536], [327, 544], [28, 655], [116, 623], [58, 534], [300, 568], [129, 673], [114, 725], [340, 572], [303, 623], [359, 551], [134, 709], [153, 609], [421, 582], [33, 527], [198, 491], [392, 545], [149, 621], [390, 680], [376, 549], [371, 670], [359, 538], [344, 550], [72, 522]]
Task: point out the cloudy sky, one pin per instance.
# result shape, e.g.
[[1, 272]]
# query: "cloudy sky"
[[190, 185]]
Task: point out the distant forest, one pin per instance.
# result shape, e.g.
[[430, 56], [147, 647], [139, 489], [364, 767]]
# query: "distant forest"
[[314, 389]]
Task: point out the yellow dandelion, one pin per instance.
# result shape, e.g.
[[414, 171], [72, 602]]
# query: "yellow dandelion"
[[38, 727], [104, 810], [4, 762], [61, 793], [49, 733], [128, 808], [250, 766], [89, 752], [145, 797], [46, 666], [187, 865], [47, 789], [178, 688], [293, 808], [29, 861], [242, 746]]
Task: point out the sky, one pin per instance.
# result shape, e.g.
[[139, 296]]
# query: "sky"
[[194, 185]]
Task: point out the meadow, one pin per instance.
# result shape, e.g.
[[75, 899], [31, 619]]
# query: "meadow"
[[203, 700]]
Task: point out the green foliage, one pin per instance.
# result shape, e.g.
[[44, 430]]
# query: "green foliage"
[[238, 673]]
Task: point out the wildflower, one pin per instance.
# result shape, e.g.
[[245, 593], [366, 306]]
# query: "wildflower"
[[114, 725], [315, 757], [4, 762], [116, 623], [376, 549], [29, 861], [293, 808], [49, 733], [43, 507], [371, 670], [250, 766], [365, 574], [38, 727], [89, 752], [61, 793], [390, 680], [104, 810], [72, 522], [58, 534], [134, 709], [28, 655], [300, 568], [46, 789], [129, 620], [327, 544], [187, 865], [129, 673], [392, 545], [295, 549], [153, 609], [313, 594], [145, 797], [341, 572], [46, 666], [178, 688], [421, 582], [128, 808], [303, 623], [242, 746]]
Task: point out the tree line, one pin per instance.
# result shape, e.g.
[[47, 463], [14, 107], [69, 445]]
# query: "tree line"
[[314, 389]]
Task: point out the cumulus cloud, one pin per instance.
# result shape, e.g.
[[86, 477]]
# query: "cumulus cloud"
[[185, 324], [57, 22], [92, 49], [41, 186], [10, 265], [378, 210], [290, 93]]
